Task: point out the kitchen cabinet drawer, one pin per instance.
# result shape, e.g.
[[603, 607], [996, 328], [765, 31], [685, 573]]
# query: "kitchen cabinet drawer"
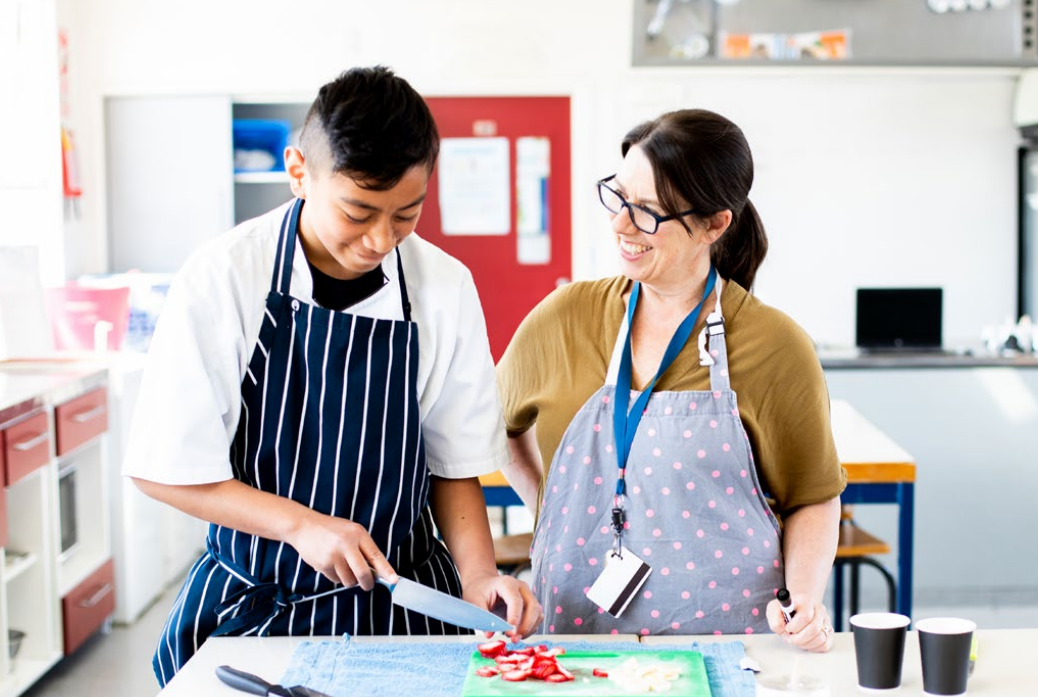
[[26, 446], [86, 607], [80, 419], [3, 502]]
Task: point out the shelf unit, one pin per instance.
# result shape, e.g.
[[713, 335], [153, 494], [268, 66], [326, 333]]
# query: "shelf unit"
[[16, 565], [31, 600], [53, 456], [278, 177], [256, 193]]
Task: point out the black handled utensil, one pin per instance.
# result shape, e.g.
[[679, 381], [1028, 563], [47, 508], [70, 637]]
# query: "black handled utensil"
[[255, 685]]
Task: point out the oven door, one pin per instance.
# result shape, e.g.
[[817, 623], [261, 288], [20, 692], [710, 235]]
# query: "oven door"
[[67, 510]]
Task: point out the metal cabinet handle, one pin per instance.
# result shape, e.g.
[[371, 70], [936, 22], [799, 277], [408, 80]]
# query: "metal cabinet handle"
[[89, 415], [30, 443], [97, 596]]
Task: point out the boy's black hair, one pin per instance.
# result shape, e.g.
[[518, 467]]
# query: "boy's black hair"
[[372, 126]]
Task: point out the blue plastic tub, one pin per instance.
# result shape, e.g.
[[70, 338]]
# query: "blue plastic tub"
[[265, 135]]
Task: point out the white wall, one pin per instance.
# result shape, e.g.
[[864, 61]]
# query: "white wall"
[[864, 176]]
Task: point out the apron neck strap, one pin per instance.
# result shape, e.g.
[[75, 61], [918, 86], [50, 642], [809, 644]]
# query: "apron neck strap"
[[281, 280], [405, 303]]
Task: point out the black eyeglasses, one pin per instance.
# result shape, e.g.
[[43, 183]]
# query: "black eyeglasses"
[[643, 219]]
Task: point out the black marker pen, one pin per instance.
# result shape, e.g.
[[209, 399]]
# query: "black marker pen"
[[786, 605]]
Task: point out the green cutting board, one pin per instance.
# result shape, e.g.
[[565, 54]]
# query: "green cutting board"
[[692, 681]]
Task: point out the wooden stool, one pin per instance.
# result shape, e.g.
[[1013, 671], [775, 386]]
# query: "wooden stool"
[[512, 552], [856, 547]]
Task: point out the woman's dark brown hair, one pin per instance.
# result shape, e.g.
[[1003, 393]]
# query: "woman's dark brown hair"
[[701, 160]]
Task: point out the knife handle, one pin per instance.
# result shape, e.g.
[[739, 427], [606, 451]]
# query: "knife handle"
[[240, 680]]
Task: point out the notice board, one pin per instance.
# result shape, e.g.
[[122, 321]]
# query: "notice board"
[[505, 162]]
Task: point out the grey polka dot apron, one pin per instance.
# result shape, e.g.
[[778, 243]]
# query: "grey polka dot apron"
[[694, 511]]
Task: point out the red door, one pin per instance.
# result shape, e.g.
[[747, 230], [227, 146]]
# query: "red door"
[[510, 282]]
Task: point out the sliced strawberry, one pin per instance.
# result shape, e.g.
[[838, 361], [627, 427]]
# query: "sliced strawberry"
[[542, 647], [563, 671], [486, 672], [515, 675], [557, 677], [542, 671], [556, 651], [526, 665], [491, 649], [505, 667], [600, 673], [504, 658], [526, 650]]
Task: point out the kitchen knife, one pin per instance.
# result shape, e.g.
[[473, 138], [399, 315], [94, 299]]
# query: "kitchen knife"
[[255, 685], [440, 606]]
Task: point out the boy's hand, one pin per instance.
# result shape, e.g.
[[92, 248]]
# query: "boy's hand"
[[522, 609], [342, 551]]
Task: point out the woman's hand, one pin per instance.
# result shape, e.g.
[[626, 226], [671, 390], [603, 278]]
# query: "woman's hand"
[[523, 611], [341, 550], [810, 628]]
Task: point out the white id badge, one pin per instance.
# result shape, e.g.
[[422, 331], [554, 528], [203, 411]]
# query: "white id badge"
[[619, 582]]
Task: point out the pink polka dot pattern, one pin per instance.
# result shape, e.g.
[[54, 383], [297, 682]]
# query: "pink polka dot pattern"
[[685, 595]]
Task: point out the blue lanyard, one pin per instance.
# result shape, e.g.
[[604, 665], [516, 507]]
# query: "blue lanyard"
[[625, 422]]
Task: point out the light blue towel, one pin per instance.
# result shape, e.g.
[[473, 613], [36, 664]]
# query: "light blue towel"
[[391, 669]]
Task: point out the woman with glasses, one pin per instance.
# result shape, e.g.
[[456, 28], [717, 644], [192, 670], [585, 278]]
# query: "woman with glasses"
[[665, 504]]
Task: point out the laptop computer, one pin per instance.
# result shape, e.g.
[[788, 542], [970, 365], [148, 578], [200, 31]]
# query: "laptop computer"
[[899, 320]]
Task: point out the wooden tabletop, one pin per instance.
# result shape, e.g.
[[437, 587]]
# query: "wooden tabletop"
[[868, 454]]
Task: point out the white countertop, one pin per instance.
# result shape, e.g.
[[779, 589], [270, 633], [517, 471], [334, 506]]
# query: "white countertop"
[[48, 380], [1003, 663]]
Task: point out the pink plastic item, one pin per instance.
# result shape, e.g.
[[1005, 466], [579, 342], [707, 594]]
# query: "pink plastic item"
[[75, 311]]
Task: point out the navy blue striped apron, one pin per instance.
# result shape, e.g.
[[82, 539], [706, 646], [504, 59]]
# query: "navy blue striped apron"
[[330, 418]]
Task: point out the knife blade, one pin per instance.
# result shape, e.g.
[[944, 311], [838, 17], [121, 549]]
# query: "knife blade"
[[255, 685], [444, 607]]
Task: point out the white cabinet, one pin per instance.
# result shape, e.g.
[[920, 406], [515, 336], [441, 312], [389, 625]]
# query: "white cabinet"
[[170, 175], [152, 544], [168, 164], [56, 581]]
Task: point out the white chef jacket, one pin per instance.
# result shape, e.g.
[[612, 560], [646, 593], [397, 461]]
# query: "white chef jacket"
[[190, 397]]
